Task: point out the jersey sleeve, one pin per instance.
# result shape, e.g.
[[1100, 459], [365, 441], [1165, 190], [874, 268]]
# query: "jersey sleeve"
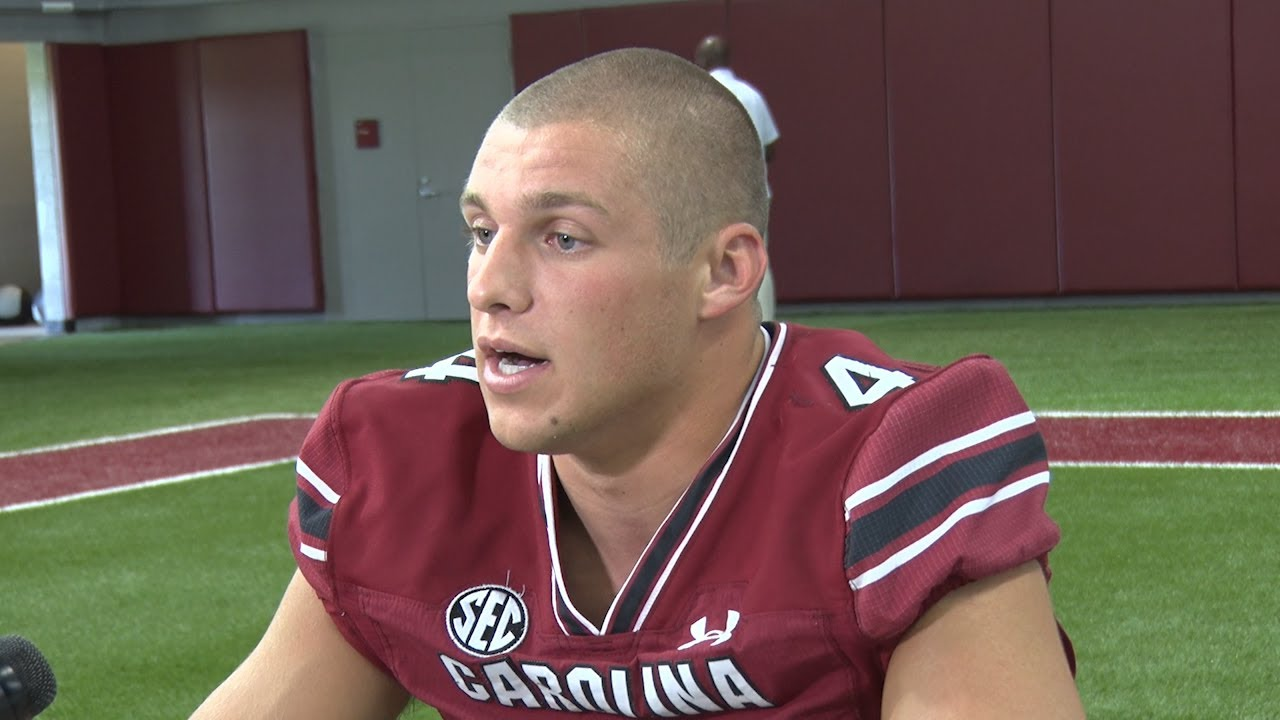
[[949, 488], [323, 477]]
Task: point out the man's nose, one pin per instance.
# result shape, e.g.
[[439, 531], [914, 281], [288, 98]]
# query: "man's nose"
[[498, 277]]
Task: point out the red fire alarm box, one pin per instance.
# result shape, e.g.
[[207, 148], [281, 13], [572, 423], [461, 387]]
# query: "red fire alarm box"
[[367, 134]]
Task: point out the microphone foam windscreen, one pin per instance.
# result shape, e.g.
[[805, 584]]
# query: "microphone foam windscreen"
[[31, 669]]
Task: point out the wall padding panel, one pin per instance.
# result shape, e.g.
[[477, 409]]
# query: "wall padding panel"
[[1257, 77], [161, 206], [1143, 132], [534, 55], [255, 93], [676, 27], [971, 147], [820, 66], [88, 196]]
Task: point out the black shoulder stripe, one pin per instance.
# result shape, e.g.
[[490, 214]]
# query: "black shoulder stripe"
[[313, 517], [917, 504]]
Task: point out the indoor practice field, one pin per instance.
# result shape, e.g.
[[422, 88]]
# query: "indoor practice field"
[[144, 600]]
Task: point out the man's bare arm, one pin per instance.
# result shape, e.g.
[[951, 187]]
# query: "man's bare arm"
[[304, 668], [988, 650]]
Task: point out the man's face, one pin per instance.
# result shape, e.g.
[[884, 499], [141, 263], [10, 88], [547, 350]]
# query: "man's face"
[[581, 328]]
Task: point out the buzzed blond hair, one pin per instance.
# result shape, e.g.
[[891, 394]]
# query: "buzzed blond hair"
[[690, 144]]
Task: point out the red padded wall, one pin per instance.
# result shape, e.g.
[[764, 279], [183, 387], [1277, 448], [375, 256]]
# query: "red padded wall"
[[820, 66], [998, 148], [1257, 77], [971, 147], [255, 94], [544, 42], [1143, 128], [676, 26], [88, 198], [161, 207]]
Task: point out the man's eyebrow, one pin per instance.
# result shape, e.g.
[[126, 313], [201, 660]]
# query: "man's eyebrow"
[[548, 200], [471, 198], [552, 199]]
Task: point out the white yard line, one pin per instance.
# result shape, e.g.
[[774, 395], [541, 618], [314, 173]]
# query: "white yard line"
[[1100, 414], [1160, 414], [1166, 465], [157, 432], [1083, 414], [1193, 414], [144, 484]]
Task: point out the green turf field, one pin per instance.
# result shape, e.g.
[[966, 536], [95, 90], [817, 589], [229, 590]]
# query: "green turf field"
[[143, 601]]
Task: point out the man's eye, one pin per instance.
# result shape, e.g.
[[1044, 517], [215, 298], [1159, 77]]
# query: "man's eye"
[[565, 242], [481, 236]]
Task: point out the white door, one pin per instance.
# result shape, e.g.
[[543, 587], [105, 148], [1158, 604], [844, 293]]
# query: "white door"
[[372, 255], [394, 246], [462, 78]]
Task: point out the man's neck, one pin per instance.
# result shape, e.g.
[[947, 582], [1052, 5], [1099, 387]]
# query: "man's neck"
[[619, 511]]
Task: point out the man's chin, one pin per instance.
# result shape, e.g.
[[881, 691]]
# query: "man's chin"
[[524, 437]]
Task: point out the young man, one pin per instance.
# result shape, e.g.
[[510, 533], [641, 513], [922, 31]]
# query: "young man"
[[632, 499]]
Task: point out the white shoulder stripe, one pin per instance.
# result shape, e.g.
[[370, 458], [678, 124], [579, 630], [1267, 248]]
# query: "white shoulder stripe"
[[321, 486], [973, 507], [950, 447], [313, 552]]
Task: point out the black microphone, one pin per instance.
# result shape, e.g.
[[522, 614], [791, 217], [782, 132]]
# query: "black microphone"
[[27, 686]]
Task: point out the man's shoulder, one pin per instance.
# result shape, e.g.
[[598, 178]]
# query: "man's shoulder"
[[825, 351], [440, 397], [829, 382], [429, 424], [863, 373], [826, 389]]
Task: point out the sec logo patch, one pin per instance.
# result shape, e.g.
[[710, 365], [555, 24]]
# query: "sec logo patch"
[[487, 620]]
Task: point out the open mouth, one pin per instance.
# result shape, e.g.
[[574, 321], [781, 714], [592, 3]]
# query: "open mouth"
[[510, 363]]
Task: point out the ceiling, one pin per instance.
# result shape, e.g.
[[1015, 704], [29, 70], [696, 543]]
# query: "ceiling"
[[94, 6]]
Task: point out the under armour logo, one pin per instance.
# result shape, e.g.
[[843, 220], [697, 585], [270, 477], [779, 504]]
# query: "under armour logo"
[[701, 634]]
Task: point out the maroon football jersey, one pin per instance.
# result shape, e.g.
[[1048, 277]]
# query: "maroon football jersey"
[[852, 492]]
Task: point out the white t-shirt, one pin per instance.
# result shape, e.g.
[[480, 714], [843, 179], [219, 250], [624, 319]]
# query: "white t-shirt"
[[753, 101]]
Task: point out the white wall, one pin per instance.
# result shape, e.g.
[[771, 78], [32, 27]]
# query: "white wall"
[[377, 243], [19, 249], [387, 254], [37, 27], [326, 16]]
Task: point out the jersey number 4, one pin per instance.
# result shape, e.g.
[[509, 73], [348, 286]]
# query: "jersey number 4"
[[860, 384], [455, 367]]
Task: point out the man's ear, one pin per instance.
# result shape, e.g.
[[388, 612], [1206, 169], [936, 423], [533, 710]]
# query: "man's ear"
[[736, 262]]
